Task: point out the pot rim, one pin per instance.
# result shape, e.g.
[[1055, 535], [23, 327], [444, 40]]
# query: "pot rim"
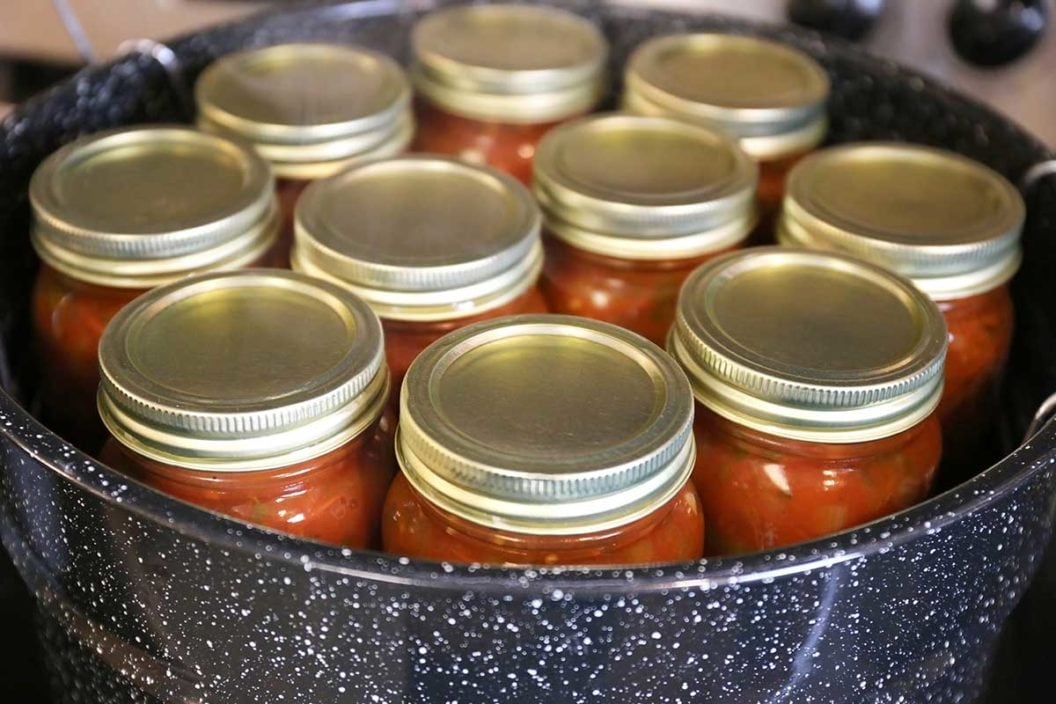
[[877, 537], [190, 521]]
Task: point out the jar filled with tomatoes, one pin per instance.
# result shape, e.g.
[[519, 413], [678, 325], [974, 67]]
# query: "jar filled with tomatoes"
[[309, 109], [493, 79], [949, 224], [545, 440], [261, 395], [431, 243], [816, 377], [121, 212], [632, 205], [769, 96]]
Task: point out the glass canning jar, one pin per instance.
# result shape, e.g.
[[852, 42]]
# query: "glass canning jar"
[[492, 79], [431, 243], [545, 440], [261, 395], [816, 376], [631, 206], [949, 224], [118, 213], [311, 110], [769, 96]]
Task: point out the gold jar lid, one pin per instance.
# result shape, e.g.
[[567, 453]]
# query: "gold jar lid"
[[546, 424], [509, 63], [644, 187], [945, 221], [421, 237], [244, 371], [309, 109], [770, 96], [809, 345], [139, 207]]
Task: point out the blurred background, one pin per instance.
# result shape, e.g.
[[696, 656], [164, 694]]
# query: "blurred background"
[[998, 50]]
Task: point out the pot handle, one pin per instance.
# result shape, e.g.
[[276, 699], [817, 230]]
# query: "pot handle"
[[1035, 173], [1043, 415], [168, 60], [148, 47], [1047, 409]]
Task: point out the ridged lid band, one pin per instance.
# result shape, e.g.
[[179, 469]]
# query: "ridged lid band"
[[248, 249], [805, 415], [309, 163], [252, 370], [514, 108], [644, 187], [948, 223], [509, 63], [308, 108], [478, 504], [683, 246], [421, 237], [761, 147], [748, 334], [280, 448], [449, 303], [509, 467], [768, 95], [938, 287], [136, 207]]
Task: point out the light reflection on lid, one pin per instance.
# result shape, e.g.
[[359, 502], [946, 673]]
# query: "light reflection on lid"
[[546, 424]]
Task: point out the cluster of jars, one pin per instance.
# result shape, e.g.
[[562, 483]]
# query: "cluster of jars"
[[593, 370]]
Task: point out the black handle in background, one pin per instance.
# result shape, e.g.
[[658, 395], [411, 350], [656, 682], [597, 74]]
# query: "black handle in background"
[[996, 32], [850, 19], [22, 676]]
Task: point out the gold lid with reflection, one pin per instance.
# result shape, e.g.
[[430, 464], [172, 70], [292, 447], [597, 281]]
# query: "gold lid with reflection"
[[244, 371], [421, 237], [644, 187], [509, 63], [770, 96], [309, 109], [546, 424], [945, 221], [140, 207], [809, 345]]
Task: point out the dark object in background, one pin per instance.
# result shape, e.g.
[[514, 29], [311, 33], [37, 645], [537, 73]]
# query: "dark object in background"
[[849, 19], [21, 79], [22, 678], [145, 599], [996, 32], [21, 671]]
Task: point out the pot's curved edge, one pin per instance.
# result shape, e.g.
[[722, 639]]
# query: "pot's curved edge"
[[190, 521], [32, 438]]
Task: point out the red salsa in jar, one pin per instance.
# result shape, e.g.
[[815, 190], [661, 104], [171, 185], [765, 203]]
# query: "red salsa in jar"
[[261, 395], [949, 224], [431, 243], [311, 110], [121, 212], [769, 96], [493, 79], [632, 205], [817, 377], [545, 440]]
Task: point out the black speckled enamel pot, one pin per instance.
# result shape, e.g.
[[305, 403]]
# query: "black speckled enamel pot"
[[146, 599]]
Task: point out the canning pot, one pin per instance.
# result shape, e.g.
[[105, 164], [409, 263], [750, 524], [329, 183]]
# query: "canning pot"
[[143, 598]]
